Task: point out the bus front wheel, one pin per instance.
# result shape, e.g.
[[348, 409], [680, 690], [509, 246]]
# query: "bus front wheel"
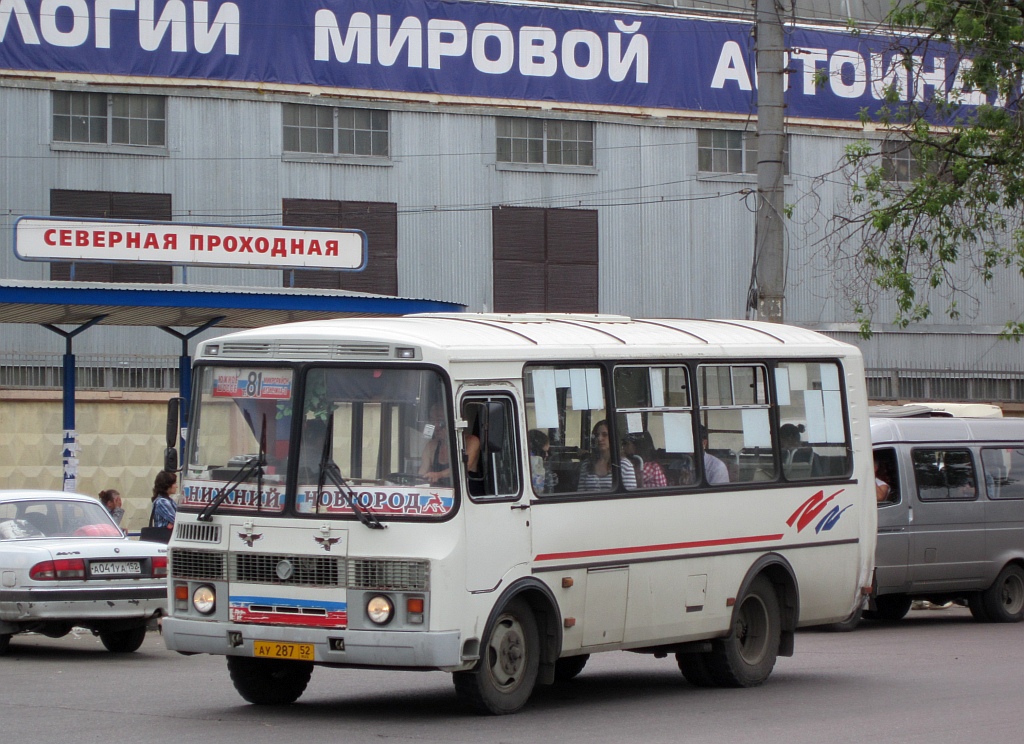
[[269, 681], [504, 678], [747, 656]]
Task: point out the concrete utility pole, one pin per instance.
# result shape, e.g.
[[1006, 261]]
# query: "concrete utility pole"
[[770, 268]]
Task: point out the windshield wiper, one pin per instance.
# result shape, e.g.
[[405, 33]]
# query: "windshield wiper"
[[253, 464], [330, 471]]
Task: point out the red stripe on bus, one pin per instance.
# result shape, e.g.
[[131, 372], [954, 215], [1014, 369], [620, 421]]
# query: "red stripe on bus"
[[655, 548]]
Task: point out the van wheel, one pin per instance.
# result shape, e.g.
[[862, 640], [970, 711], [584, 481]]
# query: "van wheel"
[[269, 681], [569, 667], [5, 643], [1004, 600], [747, 656], [976, 603], [504, 678], [889, 607]]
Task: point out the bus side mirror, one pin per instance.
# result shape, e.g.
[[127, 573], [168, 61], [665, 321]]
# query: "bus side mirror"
[[171, 440]]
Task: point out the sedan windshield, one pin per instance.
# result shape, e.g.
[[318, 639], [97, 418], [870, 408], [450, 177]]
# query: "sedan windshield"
[[25, 520]]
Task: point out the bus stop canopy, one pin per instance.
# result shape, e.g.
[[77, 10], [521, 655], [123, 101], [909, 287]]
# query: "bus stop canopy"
[[169, 307], [192, 306]]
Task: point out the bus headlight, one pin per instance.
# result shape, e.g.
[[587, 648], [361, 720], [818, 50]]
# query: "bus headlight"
[[380, 609], [204, 599]]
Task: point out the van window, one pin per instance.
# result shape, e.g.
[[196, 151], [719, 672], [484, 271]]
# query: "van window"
[[944, 474], [887, 470], [1004, 472]]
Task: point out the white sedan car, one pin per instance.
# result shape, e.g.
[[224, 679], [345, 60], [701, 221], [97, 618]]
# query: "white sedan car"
[[64, 563]]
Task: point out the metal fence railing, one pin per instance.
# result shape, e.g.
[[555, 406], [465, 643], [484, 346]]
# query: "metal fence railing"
[[945, 385], [92, 372]]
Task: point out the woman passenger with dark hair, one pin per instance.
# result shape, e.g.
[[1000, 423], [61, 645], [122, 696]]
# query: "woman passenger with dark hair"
[[164, 509]]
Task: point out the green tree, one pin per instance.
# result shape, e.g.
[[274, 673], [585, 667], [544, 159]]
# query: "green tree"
[[936, 208]]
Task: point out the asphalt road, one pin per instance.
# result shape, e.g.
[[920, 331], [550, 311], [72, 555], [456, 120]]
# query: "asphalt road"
[[934, 677]]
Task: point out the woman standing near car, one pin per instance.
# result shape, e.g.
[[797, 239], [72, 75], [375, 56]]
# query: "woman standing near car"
[[164, 508]]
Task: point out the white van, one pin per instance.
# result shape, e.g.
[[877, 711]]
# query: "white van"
[[952, 524]]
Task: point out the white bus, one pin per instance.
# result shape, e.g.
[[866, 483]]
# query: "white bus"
[[500, 496]]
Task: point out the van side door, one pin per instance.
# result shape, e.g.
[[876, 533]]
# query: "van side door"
[[894, 516], [948, 529]]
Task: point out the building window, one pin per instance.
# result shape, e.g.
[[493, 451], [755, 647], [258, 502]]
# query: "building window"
[[545, 260], [109, 119], [335, 131], [545, 142], [379, 220], [731, 151], [111, 205], [899, 163]]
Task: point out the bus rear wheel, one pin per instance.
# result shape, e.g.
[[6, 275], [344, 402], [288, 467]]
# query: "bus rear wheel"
[[747, 656], [504, 678], [1004, 600], [269, 681]]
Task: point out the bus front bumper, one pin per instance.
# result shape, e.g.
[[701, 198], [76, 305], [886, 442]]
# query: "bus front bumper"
[[364, 648]]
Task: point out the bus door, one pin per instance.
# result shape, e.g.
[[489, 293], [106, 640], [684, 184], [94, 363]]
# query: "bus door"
[[496, 506]]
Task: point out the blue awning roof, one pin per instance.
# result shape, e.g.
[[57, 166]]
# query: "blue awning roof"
[[192, 306]]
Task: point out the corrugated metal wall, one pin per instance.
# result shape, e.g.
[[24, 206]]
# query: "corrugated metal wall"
[[672, 242]]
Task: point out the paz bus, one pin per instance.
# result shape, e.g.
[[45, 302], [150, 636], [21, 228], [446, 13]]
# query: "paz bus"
[[501, 496]]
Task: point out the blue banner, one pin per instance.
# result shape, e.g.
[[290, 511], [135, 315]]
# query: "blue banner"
[[487, 52]]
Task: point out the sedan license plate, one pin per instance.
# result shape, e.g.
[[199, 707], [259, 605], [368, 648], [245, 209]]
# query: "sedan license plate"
[[277, 650], [115, 568]]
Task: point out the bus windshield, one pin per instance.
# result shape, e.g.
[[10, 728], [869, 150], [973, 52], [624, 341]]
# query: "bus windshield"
[[378, 437]]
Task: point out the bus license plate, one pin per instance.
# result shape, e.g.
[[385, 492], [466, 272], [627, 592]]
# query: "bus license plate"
[[114, 568], [276, 650]]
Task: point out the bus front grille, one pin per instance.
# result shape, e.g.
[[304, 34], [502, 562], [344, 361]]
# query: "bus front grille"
[[197, 564], [293, 570], [377, 573], [196, 532]]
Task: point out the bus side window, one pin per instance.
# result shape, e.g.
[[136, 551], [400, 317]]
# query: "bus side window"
[[812, 430], [564, 404], [654, 418], [735, 429], [490, 456]]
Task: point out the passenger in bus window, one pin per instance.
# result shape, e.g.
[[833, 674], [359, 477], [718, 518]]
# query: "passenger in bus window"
[[435, 464], [474, 468], [714, 469], [640, 446], [543, 478], [597, 472]]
